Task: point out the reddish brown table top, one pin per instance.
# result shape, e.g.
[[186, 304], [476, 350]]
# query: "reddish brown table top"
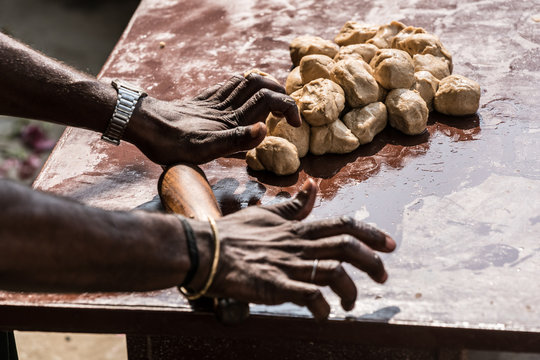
[[463, 201]]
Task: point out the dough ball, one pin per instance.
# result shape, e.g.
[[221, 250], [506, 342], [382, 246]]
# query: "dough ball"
[[314, 67], [252, 161], [320, 101], [356, 79], [457, 95], [334, 138], [294, 81], [426, 84], [385, 34], [274, 154], [307, 45], [424, 43], [393, 69], [366, 122], [262, 73], [437, 66], [355, 33], [357, 51], [298, 136], [405, 33], [407, 111]]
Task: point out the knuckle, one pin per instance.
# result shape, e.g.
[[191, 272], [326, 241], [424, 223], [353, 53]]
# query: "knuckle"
[[366, 227], [347, 221], [312, 294], [237, 116], [297, 228], [377, 260], [253, 77], [371, 231], [257, 97], [237, 136], [336, 270], [376, 264], [230, 118], [241, 87], [288, 102], [197, 138], [236, 78], [347, 243], [266, 93]]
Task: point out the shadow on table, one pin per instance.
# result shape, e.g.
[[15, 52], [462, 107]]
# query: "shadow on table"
[[383, 314]]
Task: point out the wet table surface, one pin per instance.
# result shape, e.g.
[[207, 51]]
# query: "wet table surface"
[[462, 201]]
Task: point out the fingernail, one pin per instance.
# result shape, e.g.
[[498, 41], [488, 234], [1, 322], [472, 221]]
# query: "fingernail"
[[257, 130], [348, 306], [384, 278], [389, 243], [307, 185], [306, 188]]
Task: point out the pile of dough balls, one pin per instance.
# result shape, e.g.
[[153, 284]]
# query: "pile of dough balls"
[[348, 90]]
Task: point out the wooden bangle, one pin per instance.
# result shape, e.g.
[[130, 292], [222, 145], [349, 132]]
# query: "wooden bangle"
[[194, 296]]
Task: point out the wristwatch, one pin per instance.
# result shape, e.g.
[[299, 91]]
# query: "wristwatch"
[[128, 96]]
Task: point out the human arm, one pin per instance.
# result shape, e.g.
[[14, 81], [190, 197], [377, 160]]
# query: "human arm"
[[226, 118], [52, 244]]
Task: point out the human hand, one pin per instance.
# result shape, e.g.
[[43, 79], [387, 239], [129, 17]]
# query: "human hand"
[[267, 255], [224, 119]]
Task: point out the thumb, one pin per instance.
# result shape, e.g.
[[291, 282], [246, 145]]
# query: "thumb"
[[241, 138], [299, 207]]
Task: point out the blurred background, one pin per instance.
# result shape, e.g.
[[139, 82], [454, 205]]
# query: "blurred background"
[[80, 33]]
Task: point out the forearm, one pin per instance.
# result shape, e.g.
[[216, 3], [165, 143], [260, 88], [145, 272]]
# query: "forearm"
[[49, 243], [37, 87]]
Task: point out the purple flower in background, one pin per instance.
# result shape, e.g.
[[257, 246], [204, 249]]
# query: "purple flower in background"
[[29, 167], [35, 138]]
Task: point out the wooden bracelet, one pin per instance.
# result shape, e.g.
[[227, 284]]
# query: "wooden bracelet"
[[194, 296]]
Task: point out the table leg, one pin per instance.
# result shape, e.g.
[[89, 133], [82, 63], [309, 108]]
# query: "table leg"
[[8, 349]]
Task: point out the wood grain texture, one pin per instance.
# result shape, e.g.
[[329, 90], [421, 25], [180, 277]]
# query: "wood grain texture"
[[184, 190]]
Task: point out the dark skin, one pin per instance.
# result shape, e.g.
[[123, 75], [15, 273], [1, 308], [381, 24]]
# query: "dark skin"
[[280, 250], [222, 120], [225, 119], [48, 243]]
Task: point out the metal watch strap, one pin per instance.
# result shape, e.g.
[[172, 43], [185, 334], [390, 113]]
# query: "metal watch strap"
[[128, 96]]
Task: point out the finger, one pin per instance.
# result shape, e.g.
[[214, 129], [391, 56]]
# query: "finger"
[[209, 92], [299, 207], [348, 249], [265, 101], [307, 295], [241, 138], [249, 87], [368, 234], [326, 273], [220, 92]]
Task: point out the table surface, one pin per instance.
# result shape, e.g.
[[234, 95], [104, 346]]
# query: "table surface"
[[462, 201]]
